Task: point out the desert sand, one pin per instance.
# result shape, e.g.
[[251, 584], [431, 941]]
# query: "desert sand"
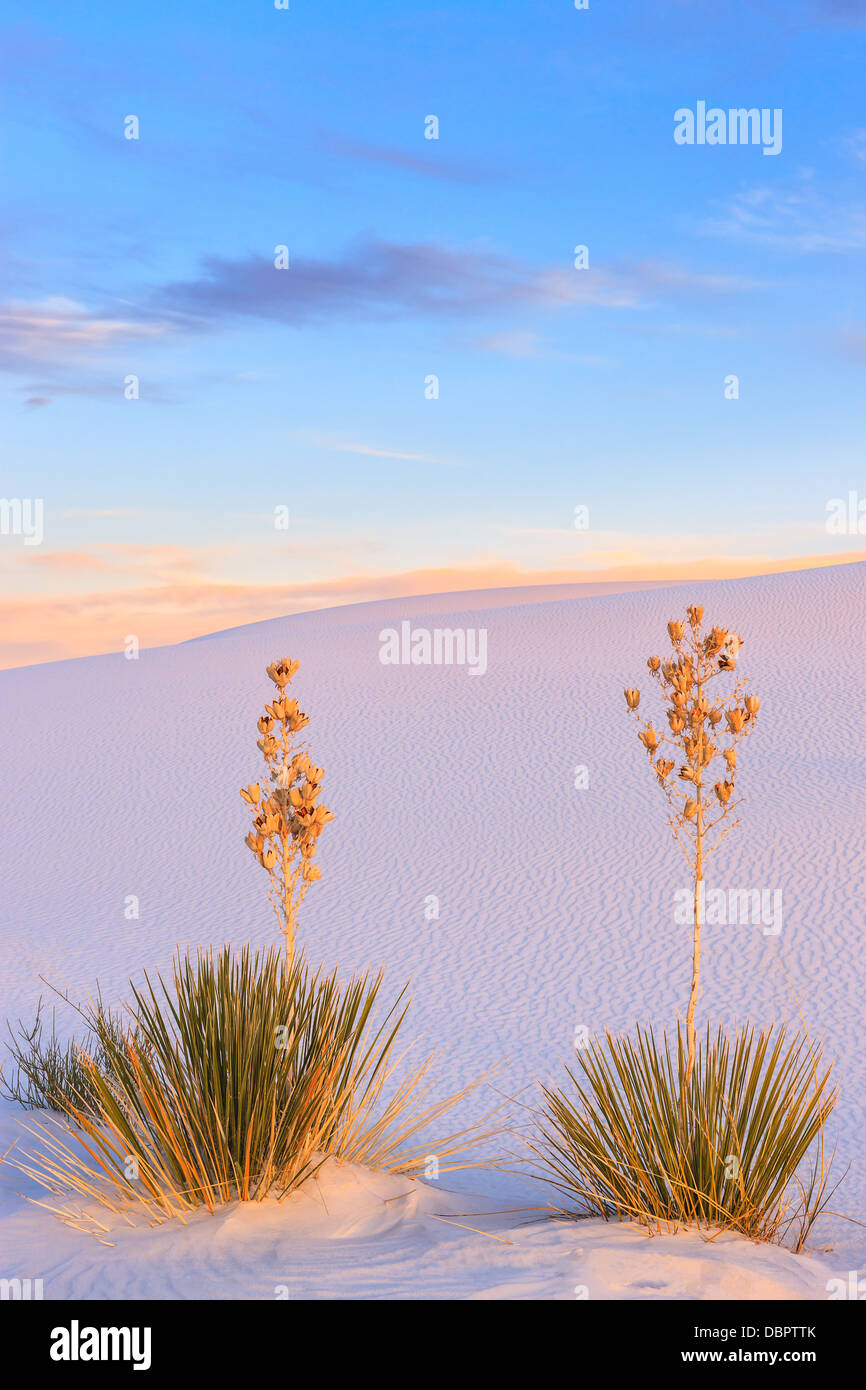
[[555, 906]]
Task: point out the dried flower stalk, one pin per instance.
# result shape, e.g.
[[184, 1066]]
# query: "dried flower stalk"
[[287, 821], [701, 731]]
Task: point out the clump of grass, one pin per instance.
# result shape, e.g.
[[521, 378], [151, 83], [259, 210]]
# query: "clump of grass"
[[234, 1081], [47, 1073], [756, 1105]]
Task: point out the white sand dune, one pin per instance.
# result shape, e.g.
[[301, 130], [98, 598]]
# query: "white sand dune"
[[354, 1233], [556, 904]]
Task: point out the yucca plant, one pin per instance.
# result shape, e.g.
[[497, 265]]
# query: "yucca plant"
[[673, 1132], [756, 1103], [704, 729], [287, 815], [234, 1081]]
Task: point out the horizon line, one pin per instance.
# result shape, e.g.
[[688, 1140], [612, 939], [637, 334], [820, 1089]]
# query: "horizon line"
[[181, 627]]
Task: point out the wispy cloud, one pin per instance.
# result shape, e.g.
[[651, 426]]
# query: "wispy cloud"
[[376, 280], [372, 281], [434, 163], [527, 345], [100, 387], [342, 446], [98, 513], [855, 145], [846, 13], [799, 218], [513, 343], [56, 328], [384, 280], [852, 342], [118, 558]]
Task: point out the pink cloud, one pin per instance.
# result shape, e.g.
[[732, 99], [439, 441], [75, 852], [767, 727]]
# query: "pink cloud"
[[49, 628]]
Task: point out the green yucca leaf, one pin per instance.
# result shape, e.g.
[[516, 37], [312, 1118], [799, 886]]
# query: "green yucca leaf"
[[626, 1140], [235, 1078]]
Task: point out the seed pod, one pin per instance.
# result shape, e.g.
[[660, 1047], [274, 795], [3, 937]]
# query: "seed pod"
[[281, 671]]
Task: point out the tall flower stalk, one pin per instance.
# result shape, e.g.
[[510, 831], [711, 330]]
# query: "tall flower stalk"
[[704, 730], [287, 816]]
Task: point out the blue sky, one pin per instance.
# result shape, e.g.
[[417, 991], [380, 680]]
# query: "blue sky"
[[558, 387]]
